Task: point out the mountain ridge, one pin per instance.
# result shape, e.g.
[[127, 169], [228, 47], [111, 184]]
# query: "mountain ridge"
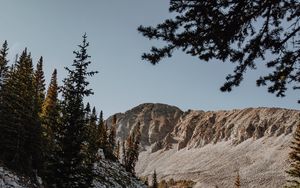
[[168, 133]]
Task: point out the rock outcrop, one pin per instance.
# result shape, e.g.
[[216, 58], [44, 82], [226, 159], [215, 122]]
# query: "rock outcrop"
[[209, 147]]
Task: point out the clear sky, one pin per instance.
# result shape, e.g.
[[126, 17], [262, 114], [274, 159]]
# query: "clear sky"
[[53, 28]]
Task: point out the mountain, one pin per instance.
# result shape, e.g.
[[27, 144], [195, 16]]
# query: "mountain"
[[210, 147]]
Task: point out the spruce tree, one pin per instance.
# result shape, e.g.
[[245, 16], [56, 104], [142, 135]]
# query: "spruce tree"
[[90, 147], [117, 150], [136, 144], [124, 160], [19, 122], [93, 134], [50, 132], [129, 153], [294, 156], [87, 113], [246, 33], [100, 131], [112, 139], [154, 180], [132, 149], [3, 69], [40, 84], [3, 63], [237, 182], [102, 136], [74, 172]]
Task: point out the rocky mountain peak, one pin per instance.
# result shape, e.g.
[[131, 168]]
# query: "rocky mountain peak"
[[165, 126], [209, 146]]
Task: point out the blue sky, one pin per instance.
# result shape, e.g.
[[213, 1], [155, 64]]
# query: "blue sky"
[[52, 29]]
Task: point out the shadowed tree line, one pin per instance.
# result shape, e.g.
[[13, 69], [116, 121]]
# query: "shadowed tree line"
[[57, 139]]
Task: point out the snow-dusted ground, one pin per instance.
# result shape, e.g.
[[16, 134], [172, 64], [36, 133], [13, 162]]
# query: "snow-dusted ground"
[[113, 175], [109, 175], [262, 163], [9, 179]]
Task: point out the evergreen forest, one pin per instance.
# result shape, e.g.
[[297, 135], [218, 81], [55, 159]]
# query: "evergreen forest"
[[52, 134]]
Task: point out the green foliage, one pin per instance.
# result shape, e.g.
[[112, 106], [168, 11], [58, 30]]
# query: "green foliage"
[[179, 183], [39, 85], [117, 150], [112, 139], [50, 132], [131, 149], [102, 141], [154, 180], [242, 32], [75, 169], [57, 140], [19, 120], [294, 156], [237, 182], [3, 63]]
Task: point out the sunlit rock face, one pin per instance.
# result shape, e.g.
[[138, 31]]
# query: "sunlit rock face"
[[209, 147]]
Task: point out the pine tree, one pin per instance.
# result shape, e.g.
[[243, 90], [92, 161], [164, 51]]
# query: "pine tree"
[[3, 63], [137, 141], [92, 135], [129, 153], [294, 156], [87, 113], [124, 159], [242, 32], [3, 69], [74, 172], [132, 149], [50, 132], [19, 122], [101, 132], [90, 147], [40, 84], [112, 139], [117, 150], [154, 180], [237, 182]]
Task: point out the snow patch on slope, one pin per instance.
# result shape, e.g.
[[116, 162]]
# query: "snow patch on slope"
[[9, 179], [262, 163]]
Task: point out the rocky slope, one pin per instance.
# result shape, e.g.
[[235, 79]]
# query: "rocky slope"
[[9, 179], [112, 174], [109, 174], [209, 147]]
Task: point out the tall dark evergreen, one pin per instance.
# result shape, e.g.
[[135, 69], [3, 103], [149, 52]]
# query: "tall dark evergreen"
[[117, 150], [92, 134], [237, 182], [50, 132], [154, 180], [39, 84], [294, 157], [124, 159], [73, 170], [19, 122], [102, 140], [246, 33], [3, 63], [132, 149], [112, 139]]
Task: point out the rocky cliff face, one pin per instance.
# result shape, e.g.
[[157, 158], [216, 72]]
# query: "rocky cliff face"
[[208, 147]]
